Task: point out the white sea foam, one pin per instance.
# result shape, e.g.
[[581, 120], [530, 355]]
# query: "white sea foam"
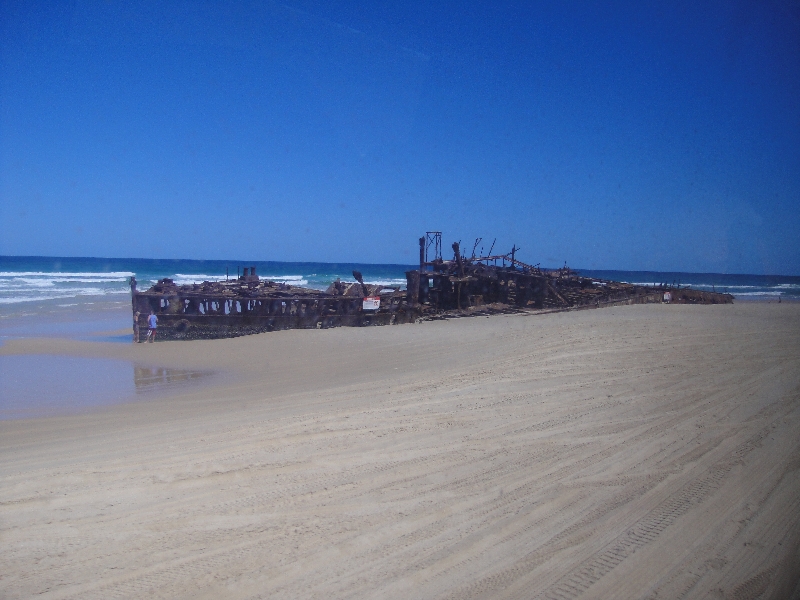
[[90, 280], [184, 279], [38, 298], [386, 282], [22, 283], [19, 299], [35, 295], [53, 282], [298, 280], [286, 278], [700, 285], [115, 274]]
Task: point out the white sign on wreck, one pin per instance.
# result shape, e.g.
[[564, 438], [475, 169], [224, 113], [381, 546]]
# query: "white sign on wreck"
[[371, 303]]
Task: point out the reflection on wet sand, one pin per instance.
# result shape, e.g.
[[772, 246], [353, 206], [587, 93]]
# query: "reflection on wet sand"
[[151, 378], [41, 385]]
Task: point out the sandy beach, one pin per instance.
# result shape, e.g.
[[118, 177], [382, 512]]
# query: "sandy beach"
[[632, 452]]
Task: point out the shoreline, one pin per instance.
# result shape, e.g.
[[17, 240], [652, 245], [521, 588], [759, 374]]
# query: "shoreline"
[[499, 456], [93, 342], [94, 318]]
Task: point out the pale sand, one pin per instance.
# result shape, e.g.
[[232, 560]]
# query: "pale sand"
[[631, 452]]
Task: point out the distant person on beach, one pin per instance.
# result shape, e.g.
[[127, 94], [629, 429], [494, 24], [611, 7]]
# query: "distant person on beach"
[[667, 297], [152, 322], [136, 327]]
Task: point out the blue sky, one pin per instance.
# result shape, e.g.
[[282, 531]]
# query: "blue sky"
[[641, 135]]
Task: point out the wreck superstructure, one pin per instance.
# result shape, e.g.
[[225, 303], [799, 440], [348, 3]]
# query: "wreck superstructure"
[[438, 288]]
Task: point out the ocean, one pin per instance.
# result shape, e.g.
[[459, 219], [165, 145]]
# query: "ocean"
[[34, 279]]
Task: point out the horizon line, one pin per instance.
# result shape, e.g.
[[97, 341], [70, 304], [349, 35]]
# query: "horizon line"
[[247, 263]]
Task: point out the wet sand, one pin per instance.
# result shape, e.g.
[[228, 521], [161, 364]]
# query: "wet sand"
[[630, 452], [85, 319]]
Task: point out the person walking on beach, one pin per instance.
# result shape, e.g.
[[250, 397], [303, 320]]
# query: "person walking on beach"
[[136, 327], [152, 322]]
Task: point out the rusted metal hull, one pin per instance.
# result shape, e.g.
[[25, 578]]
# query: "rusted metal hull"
[[230, 311], [193, 327]]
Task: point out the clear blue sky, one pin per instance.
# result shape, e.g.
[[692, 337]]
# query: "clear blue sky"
[[641, 135]]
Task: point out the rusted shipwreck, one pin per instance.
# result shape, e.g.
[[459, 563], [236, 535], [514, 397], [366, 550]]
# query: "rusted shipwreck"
[[439, 288]]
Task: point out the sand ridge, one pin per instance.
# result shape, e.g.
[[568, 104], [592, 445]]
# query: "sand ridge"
[[634, 452]]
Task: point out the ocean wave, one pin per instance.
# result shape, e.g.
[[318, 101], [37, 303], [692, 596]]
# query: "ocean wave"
[[719, 286], [192, 279], [296, 280], [16, 284], [21, 281], [41, 289], [386, 282], [116, 274], [197, 278], [35, 283], [682, 284], [40, 298], [59, 293], [283, 277], [90, 280], [25, 295]]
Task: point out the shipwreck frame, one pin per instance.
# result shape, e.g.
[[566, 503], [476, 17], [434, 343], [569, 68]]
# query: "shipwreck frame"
[[495, 283]]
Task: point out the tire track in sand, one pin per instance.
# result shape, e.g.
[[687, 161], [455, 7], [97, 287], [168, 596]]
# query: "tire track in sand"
[[644, 531]]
